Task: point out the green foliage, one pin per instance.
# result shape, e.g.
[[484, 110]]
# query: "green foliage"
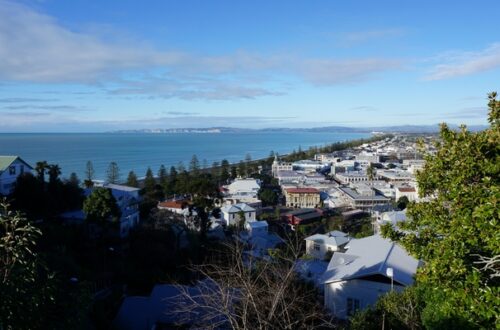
[[224, 171], [458, 224], [268, 197], [194, 165], [149, 182], [31, 295], [402, 202], [132, 180], [38, 200], [113, 173], [392, 311], [100, 206], [163, 179]]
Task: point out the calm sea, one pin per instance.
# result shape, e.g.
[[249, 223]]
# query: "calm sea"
[[138, 151]]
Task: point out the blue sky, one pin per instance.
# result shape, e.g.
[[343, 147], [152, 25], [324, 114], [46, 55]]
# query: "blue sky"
[[86, 66]]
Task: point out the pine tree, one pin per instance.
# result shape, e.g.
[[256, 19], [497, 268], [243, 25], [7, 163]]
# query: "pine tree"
[[132, 180], [149, 182], [113, 173]]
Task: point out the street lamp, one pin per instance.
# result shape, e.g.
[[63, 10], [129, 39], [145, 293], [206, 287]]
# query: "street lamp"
[[390, 273]]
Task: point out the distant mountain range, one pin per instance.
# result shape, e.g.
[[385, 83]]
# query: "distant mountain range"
[[336, 129]]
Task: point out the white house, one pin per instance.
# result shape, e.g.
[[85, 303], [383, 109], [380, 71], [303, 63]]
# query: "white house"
[[127, 199], [244, 186], [10, 168], [243, 191], [408, 191], [371, 267], [257, 228], [319, 245], [392, 217], [231, 213]]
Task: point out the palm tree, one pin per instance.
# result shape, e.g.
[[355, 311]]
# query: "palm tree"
[[40, 170], [54, 171]]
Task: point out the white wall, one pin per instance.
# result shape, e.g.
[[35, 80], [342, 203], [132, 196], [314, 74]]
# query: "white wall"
[[323, 249], [234, 218], [7, 180], [366, 292]]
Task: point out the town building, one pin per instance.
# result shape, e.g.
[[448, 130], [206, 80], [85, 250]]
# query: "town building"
[[176, 205], [309, 166], [361, 198], [371, 267], [321, 246], [231, 213], [395, 176], [302, 197], [408, 191], [280, 166], [351, 176], [127, 199], [304, 215], [243, 191], [391, 217], [289, 177], [10, 168]]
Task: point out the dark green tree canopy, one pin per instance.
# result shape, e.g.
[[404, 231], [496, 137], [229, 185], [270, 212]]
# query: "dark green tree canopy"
[[457, 227], [100, 206], [113, 173], [132, 180]]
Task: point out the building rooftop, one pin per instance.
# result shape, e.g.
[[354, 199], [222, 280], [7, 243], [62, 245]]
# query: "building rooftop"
[[371, 256], [302, 191], [5, 162], [237, 208], [355, 195], [329, 240]]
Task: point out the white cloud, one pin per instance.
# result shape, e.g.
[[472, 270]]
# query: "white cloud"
[[457, 64], [36, 48], [358, 37]]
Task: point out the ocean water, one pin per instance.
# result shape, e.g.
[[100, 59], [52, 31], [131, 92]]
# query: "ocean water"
[[137, 152]]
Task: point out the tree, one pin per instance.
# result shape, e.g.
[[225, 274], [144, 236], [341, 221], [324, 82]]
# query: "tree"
[[392, 311], [224, 171], [457, 225], [18, 263], [244, 293], [163, 178], [234, 172], [113, 173], [54, 171], [242, 169], [215, 171], [268, 197], [100, 207], [40, 170], [32, 296], [402, 202], [194, 165], [89, 175], [74, 180], [248, 165], [132, 180], [149, 182]]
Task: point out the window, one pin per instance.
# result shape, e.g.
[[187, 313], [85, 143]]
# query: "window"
[[22, 169], [352, 306], [12, 170], [316, 247]]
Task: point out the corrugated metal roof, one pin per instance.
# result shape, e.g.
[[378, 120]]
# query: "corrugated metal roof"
[[371, 256], [5, 162]]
